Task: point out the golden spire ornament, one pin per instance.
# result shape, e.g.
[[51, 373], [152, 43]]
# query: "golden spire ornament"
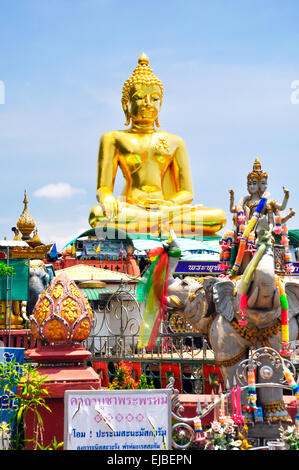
[[257, 171], [25, 223]]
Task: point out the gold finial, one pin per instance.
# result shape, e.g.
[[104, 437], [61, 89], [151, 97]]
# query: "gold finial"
[[142, 74], [257, 171], [36, 241], [25, 223], [143, 59], [25, 202], [257, 165], [17, 234]]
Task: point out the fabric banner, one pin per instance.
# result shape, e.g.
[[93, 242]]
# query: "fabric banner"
[[152, 289]]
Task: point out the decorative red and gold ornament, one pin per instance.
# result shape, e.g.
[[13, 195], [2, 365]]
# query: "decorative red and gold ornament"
[[62, 314]]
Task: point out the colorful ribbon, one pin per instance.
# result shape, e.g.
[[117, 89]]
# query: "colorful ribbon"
[[287, 254], [251, 391], [248, 229], [198, 429], [291, 381], [278, 227], [237, 416], [284, 318]]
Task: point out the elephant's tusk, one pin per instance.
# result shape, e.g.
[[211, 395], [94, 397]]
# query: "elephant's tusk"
[[174, 299], [253, 297], [276, 298]]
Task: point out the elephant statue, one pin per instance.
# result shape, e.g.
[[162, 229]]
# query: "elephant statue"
[[248, 306], [231, 341], [39, 279], [211, 305]]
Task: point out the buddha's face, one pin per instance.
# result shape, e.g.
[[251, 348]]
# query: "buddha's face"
[[263, 185], [253, 186], [145, 103]]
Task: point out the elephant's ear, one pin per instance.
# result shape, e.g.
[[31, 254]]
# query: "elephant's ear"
[[223, 296], [292, 291]]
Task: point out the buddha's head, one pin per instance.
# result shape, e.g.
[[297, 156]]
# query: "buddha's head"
[[257, 180], [142, 95]]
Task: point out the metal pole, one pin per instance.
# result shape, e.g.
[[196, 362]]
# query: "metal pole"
[[10, 309]]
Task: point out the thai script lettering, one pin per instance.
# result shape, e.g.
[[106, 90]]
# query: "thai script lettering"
[[142, 432], [208, 267], [155, 445], [296, 269], [117, 447], [99, 447], [117, 400]]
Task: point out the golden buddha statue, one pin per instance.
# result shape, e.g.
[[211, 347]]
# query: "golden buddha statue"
[[155, 165]]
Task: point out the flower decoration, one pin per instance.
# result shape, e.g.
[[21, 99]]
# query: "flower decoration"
[[225, 436], [290, 436]]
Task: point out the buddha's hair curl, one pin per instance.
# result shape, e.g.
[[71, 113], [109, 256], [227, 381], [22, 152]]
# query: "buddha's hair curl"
[[142, 75]]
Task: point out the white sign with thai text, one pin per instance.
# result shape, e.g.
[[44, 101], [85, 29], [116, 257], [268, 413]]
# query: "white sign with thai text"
[[117, 420]]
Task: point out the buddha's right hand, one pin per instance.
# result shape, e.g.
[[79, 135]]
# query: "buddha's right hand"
[[110, 206]]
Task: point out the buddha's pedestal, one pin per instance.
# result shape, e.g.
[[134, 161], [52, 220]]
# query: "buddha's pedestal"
[[65, 369]]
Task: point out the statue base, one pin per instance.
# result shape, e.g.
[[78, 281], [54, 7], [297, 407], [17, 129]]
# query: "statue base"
[[65, 369], [265, 431]]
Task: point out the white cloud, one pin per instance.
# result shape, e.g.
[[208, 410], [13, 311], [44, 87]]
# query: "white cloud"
[[58, 191], [61, 232]]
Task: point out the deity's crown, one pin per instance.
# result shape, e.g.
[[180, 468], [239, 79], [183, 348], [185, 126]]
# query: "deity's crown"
[[142, 74], [257, 171]]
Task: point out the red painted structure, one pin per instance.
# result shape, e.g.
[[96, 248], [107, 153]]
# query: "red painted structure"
[[65, 370], [17, 339], [212, 379], [212, 374]]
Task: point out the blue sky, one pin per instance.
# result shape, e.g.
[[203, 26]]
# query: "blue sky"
[[227, 69]]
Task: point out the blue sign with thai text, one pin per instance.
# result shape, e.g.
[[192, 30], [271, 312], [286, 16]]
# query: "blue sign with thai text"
[[198, 267], [209, 268], [8, 403]]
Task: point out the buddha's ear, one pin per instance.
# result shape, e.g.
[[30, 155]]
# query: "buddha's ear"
[[127, 114]]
